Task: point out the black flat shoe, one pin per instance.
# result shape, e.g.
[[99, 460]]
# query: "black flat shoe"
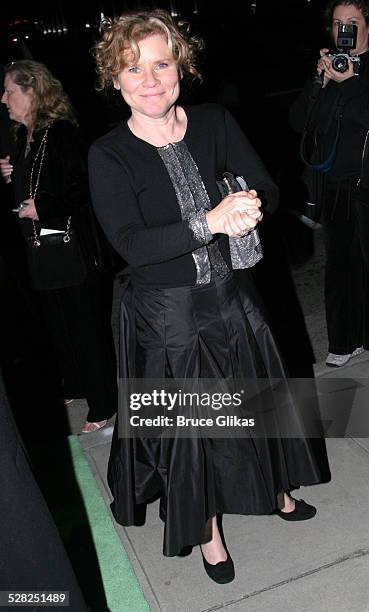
[[222, 572], [302, 512]]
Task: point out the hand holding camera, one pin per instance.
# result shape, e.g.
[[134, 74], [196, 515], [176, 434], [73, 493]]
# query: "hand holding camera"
[[340, 64], [327, 72]]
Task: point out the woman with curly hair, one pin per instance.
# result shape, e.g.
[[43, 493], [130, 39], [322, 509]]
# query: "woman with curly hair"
[[50, 186], [154, 189]]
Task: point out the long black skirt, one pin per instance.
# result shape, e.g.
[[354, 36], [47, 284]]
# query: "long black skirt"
[[206, 331]]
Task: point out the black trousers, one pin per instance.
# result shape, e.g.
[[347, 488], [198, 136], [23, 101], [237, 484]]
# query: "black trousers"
[[346, 234], [78, 320]]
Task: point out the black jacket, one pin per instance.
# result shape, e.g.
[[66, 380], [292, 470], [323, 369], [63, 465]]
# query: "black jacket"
[[351, 98], [63, 190]]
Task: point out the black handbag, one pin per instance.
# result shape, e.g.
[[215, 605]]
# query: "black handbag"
[[55, 260]]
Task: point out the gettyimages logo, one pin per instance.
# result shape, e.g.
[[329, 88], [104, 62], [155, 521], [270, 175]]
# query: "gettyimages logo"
[[258, 408], [170, 400], [187, 409]]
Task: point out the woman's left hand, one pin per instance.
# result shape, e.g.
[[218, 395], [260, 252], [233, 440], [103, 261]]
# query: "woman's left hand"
[[29, 211], [253, 208], [241, 223]]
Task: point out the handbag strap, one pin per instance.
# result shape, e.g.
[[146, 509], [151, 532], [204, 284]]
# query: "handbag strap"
[[33, 187]]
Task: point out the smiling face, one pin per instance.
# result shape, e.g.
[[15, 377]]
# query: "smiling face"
[[150, 86], [350, 14], [17, 101]]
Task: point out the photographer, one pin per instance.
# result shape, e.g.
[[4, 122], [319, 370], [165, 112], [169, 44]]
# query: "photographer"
[[333, 111]]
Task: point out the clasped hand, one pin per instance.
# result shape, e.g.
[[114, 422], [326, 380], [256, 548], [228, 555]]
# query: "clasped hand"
[[325, 64], [236, 214]]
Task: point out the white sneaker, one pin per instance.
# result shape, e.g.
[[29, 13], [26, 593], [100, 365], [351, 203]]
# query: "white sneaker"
[[336, 361]]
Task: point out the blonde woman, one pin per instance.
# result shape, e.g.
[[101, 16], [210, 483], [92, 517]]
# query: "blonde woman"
[[51, 198]]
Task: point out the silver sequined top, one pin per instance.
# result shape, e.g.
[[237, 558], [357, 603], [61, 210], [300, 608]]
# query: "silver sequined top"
[[194, 201]]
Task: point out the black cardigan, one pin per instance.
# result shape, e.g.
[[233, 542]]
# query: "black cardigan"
[[136, 204]]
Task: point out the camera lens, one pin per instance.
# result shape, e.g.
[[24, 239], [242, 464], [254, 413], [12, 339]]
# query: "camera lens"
[[340, 63]]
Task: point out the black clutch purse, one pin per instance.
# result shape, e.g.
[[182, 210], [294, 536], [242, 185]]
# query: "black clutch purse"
[[245, 251]]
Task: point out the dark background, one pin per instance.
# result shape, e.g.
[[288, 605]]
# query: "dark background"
[[264, 49], [257, 57]]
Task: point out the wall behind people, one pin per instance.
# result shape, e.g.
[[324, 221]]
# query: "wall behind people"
[[270, 37]]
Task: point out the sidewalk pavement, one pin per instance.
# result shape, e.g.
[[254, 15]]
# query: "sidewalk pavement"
[[320, 565]]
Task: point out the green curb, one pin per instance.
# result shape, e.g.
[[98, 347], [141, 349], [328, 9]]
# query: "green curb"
[[122, 590]]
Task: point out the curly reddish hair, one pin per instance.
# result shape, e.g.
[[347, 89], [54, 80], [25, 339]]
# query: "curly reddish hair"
[[125, 32]]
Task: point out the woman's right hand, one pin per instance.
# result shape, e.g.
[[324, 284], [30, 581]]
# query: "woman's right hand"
[[236, 214], [6, 169]]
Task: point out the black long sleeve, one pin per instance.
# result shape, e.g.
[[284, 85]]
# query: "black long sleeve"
[[64, 186], [118, 211]]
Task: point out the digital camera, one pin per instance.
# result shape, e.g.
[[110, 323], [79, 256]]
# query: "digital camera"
[[346, 41]]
